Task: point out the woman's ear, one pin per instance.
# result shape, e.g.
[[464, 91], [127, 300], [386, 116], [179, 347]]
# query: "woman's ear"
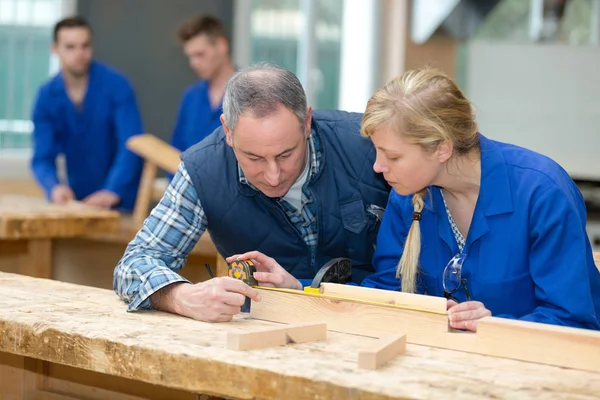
[[445, 150]]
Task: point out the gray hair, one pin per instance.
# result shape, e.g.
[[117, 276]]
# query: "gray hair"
[[261, 88]]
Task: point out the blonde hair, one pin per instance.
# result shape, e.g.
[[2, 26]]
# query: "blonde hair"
[[426, 108]]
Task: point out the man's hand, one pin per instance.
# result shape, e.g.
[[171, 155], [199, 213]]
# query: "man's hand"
[[215, 300], [465, 315], [268, 272], [102, 198], [61, 194]]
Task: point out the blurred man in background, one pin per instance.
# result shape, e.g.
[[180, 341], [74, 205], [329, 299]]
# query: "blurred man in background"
[[86, 112], [206, 46]]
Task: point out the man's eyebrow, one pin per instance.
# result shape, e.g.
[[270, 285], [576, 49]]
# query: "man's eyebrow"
[[251, 154]]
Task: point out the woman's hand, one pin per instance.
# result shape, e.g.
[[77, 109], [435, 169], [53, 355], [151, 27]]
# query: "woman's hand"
[[465, 315], [268, 272]]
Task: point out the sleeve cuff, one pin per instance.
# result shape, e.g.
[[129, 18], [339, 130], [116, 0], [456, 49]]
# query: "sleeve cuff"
[[153, 283]]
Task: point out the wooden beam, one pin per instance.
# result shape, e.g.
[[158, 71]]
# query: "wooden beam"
[[24, 217], [145, 189], [410, 300], [273, 337], [385, 350], [519, 340], [292, 307], [156, 151]]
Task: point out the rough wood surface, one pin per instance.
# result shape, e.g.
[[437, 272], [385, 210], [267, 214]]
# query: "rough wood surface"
[[23, 217], [88, 328], [519, 340]]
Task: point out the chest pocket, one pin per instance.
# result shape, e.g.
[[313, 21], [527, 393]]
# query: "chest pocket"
[[354, 216]]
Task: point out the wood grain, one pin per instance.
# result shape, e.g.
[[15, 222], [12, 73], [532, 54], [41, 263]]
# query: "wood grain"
[[23, 217], [383, 351], [88, 328], [519, 340], [278, 336], [385, 296]]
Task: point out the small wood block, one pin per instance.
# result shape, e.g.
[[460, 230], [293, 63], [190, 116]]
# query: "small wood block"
[[385, 349], [273, 337]]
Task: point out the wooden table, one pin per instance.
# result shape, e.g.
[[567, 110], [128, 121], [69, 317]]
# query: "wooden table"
[[77, 243], [28, 225], [65, 341]]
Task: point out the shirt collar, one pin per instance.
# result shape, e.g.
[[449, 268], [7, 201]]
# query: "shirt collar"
[[495, 195]]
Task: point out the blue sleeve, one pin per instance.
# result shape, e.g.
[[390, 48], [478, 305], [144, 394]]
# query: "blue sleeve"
[[178, 139], [126, 170], [45, 146], [390, 243], [558, 263]]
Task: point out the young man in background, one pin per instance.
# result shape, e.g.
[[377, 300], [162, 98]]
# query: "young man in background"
[[86, 112], [206, 46]]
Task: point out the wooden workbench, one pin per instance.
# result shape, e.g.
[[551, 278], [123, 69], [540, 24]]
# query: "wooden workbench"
[[77, 243], [65, 341], [28, 225]]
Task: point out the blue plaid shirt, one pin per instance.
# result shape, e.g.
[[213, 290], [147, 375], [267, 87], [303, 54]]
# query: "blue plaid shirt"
[[158, 252]]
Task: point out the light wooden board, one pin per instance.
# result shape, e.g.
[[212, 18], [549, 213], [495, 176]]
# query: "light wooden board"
[[382, 352], [88, 328], [23, 217], [155, 150], [527, 341], [385, 296], [263, 338]]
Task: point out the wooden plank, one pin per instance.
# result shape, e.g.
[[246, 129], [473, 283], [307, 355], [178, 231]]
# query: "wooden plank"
[[144, 196], [272, 337], [384, 296], [293, 307], [382, 352], [156, 151], [23, 217], [88, 328], [597, 259], [543, 343], [518, 338]]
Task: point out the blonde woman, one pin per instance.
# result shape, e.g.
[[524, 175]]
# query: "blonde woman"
[[495, 228]]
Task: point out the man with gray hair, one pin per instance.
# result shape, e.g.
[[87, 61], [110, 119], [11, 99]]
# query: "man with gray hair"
[[275, 180]]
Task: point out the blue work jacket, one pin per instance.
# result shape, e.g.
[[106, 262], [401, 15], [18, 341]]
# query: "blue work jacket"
[[196, 119], [92, 137], [527, 252]]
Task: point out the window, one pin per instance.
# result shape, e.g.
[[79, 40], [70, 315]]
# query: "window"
[[27, 62], [278, 35]]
